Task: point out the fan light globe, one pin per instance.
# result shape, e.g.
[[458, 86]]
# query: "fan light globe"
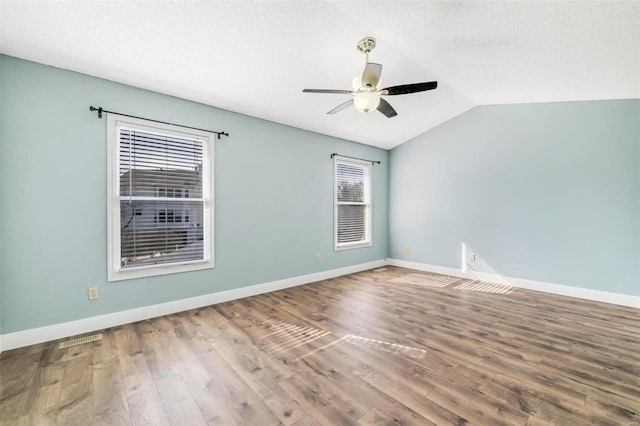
[[356, 83], [366, 101]]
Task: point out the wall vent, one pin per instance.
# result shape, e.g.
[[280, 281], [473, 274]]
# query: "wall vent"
[[80, 341]]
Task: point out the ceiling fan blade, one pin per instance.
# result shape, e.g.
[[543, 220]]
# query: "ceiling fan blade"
[[339, 92], [371, 74], [385, 108], [405, 89], [342, 106]]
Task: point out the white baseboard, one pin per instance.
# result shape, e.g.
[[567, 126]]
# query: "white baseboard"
[[564, 290], [86, 325]]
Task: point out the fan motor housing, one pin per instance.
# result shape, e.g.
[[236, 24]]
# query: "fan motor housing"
[[366, 45]]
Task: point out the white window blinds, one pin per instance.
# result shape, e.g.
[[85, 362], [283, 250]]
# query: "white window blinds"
[[352, 204], [162, 197]]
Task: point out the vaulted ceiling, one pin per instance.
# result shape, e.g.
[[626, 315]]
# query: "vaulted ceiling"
[[255, 57]]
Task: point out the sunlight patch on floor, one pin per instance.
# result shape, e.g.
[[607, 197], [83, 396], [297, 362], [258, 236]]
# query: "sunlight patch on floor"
[[386, 346], [283, 336], [373, 344], [425, 280], [485, 287]]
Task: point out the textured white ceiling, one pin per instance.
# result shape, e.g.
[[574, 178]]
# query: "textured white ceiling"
[[255, 57]]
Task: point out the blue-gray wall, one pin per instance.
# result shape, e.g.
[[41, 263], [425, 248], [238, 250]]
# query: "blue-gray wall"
[[1, 175], [273, 194], [546, 192]]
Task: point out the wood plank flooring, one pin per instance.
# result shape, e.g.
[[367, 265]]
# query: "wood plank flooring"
[[359, 349]]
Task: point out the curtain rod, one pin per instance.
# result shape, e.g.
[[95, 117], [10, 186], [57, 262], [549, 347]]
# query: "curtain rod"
[[100, 110], [354, 158]]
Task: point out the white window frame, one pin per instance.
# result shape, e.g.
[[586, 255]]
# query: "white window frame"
[[115, 271], [368, 183]]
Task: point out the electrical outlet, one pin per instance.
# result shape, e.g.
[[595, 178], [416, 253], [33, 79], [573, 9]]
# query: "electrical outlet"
[[407, 249], [93, 293], [318, 258]]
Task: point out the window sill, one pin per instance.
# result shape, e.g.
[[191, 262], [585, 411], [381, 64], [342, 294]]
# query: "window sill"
[[349, 246], [156, 270]]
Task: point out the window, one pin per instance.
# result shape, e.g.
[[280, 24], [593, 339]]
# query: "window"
[[172, 192], [171, 216], [352, 203], [160, 198]]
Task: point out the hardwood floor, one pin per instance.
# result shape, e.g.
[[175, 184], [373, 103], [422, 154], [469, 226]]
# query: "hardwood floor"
[[358, 349]]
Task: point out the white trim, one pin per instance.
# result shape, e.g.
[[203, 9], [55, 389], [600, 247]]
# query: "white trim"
[[368, 203], [114, 271], [563, 290], [87, 325]]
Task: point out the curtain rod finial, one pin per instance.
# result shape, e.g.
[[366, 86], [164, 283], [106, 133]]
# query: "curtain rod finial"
[[99, 109]]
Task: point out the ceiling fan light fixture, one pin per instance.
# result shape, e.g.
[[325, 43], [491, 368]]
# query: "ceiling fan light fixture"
[[366, 101], [367, 90]]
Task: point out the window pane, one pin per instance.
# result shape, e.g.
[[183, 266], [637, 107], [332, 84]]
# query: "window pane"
[[350, 182], [154, 232], [159, 166], [351, 223]]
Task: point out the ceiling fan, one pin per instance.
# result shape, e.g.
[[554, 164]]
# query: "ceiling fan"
[[366, 93]]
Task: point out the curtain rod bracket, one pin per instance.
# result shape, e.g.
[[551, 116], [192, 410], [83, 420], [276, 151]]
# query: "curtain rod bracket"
[[92, 108], [100, 110]]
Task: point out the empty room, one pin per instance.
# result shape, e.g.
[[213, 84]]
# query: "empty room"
[[319, 212]]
